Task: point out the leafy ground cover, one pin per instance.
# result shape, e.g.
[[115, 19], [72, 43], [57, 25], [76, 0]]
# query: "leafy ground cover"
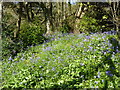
[[72, 61]]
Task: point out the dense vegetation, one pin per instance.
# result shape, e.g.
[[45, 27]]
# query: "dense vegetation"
[[60, 45], [72, 61]]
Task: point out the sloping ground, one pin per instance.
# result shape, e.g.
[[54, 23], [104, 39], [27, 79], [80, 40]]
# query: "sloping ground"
[[72, 61]]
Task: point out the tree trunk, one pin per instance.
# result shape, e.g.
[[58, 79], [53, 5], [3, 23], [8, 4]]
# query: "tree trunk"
[[78, 16], [58, 15], [48, 22], [63, 12], [1, 20], [32, 14], [118, 30], [47, 8], [27, 11], [51, 17], [48, 27], [69, 6], [62, 18], [1, 13], [16, 33], [114, 7]]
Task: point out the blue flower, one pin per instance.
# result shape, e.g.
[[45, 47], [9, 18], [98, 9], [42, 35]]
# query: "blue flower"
[[104, 53], [87, 37], [110, 32], [53, 69], [109, 73], [10, 58], [102, 80], [47, 49], [90, 48], [104, 37], [113, 67], [96, 82], [82, 64], [98, 74]]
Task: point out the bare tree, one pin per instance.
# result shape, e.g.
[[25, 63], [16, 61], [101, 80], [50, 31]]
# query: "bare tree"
[[20, 6], [115, 10], [79, 14]]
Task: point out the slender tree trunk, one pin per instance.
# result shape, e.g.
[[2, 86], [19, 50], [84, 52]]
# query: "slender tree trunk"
[[1, 13], [69, 8], [118, 30], [58, 15], [48, 20], [46, 9], [51, 16], [48, 27], [114, 7], [27, 11], [63, 13], [43, 6], [31, 11], [1, 20], [16, 33], [78, 16]]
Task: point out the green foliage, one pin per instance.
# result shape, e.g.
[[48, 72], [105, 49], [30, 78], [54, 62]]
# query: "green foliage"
[[31, 34], [96, 19], [8, 26], [65, 28], [6, 48], [73, 61], [89, 24]]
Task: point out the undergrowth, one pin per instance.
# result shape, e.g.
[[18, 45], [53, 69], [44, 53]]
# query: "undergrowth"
[[72, 61]]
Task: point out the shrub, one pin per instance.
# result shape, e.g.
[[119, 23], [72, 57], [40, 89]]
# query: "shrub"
[[65, 28], [89, 24], [31, 34]]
